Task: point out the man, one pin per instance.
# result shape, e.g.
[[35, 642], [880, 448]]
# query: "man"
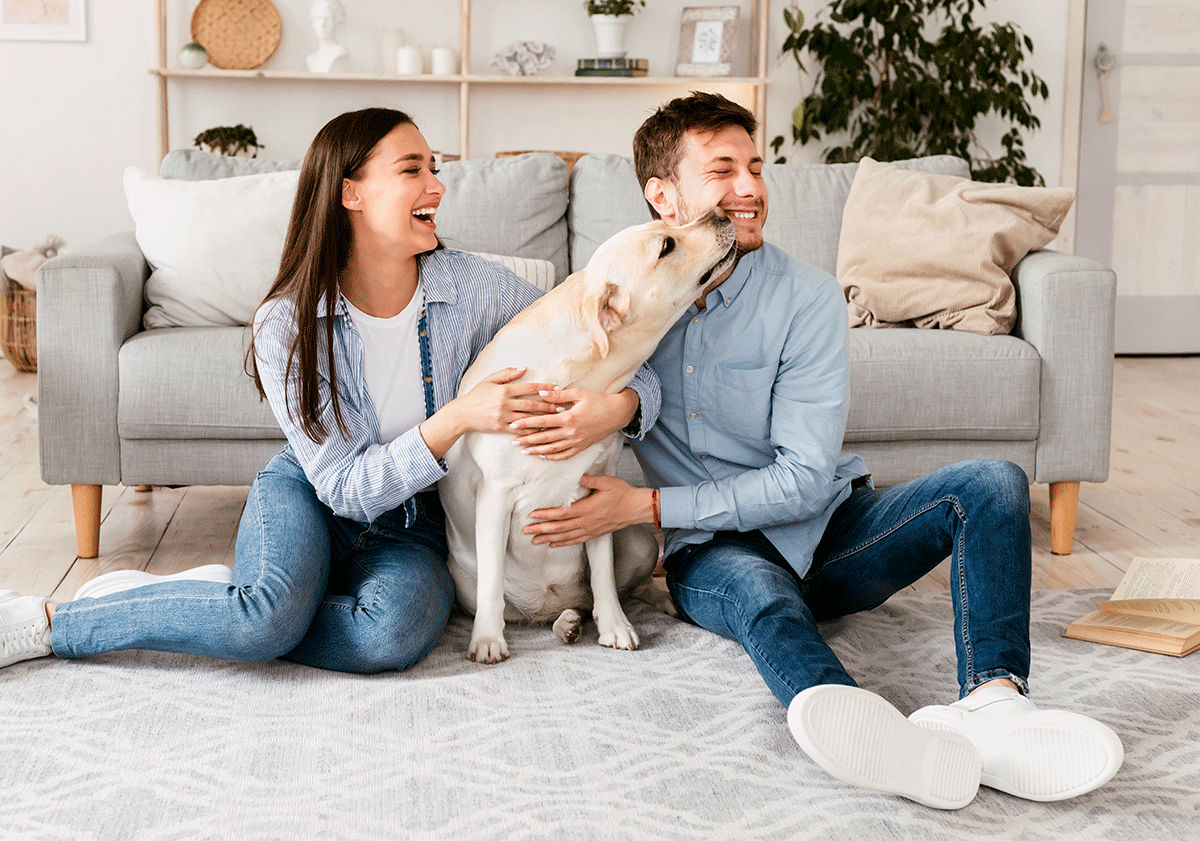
[[770, 529]]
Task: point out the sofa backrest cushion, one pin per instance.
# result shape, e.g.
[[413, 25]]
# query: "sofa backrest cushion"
[[804, 215], [515, 205]]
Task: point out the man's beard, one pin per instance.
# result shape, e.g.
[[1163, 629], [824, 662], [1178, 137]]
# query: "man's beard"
[[686, 215]]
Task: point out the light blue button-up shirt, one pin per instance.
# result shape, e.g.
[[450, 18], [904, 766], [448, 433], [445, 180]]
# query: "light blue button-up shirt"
[[360, 477], [754, 404]]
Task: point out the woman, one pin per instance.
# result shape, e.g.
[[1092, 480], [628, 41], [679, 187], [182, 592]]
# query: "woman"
[[359, 348]]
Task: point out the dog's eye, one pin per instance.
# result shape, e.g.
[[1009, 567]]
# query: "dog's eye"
[[668, 245]]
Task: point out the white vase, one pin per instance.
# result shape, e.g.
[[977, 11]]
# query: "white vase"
[[610, 35]]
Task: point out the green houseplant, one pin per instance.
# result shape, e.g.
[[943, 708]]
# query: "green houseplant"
[[608, 20], [903, 78], [229, 140], [617, 8]]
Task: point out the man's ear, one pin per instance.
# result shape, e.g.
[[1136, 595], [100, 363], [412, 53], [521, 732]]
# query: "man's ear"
[[605, 307], [661, 194], [351, 200]]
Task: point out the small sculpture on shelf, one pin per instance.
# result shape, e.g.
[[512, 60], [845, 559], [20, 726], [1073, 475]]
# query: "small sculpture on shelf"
[[235, 141], [523, 58], [330, 56]]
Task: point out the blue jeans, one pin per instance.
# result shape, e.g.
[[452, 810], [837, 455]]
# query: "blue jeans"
[[879, 541], [308, 586]]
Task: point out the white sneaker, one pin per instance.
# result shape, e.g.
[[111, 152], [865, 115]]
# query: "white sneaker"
[[24, 629], [861, 739], [127, 579], [1031, 753]]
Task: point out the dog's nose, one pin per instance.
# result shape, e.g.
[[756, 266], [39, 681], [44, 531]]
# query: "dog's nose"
[[714, 215]]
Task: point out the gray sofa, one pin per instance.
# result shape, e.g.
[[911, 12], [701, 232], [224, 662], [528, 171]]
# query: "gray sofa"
[[119, 404]]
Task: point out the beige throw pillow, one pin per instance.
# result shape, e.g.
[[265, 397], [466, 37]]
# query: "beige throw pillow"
[[936, 250]]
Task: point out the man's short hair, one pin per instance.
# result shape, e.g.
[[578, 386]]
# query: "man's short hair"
[[658, 144]]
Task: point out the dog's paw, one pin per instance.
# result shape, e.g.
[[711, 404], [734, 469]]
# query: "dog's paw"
[[619, 635], [488, 650], [568, 625]]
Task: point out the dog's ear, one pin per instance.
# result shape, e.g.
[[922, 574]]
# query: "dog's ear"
[[605, 308]]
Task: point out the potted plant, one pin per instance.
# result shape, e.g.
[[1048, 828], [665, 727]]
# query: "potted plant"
[[236, 141], [906, 78], [608, 19]]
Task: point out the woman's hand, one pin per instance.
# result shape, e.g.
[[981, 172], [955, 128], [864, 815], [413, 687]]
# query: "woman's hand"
[[612, 504], [496, 402], [490, 406], [580, 418]]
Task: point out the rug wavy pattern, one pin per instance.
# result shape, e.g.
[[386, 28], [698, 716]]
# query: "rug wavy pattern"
[[679, 740]]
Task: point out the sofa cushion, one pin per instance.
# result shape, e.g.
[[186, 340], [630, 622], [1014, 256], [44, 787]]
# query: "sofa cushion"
[[926, 250], [931, 384], [214, 244], [804, 215], [515, 205], [188, 382]]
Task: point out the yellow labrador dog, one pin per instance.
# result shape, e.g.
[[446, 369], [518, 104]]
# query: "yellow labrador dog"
[[592, 331]]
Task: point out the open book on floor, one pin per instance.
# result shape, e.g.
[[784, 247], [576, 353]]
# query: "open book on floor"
[[1156, 607]]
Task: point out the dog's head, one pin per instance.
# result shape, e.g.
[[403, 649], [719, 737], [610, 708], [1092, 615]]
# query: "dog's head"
[[646, 276]]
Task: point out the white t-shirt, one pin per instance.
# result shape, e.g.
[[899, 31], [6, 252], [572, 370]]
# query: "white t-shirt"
[[392, 365]]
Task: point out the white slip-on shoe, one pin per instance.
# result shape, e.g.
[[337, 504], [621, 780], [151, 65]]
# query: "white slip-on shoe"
[[1031, 753], [127, 579], [863, 740], [24, 628]]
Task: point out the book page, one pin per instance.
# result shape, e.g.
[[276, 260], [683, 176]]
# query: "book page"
[[1160, 578], [1178, 610], [1137, 624]]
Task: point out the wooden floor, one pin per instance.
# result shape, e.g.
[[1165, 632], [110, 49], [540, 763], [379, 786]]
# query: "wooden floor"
[[1149, 506]]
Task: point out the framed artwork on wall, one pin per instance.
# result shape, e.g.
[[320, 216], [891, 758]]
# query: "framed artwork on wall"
[[706, 36], [43, 20]]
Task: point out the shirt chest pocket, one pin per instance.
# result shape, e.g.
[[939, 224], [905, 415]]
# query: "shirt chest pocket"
[[741, 401]]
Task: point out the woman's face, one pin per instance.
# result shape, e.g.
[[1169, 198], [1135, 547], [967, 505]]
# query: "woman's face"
[[394, 200]]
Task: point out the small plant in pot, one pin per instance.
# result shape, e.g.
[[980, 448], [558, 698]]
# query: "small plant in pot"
[[608, 19], [235, 141]]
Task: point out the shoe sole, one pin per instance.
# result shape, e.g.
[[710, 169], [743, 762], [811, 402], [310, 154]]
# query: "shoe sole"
[[861, 739], [1063, 755], [128, 579]]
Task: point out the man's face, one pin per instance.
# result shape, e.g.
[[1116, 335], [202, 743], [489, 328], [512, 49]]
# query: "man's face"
[[720, 169]]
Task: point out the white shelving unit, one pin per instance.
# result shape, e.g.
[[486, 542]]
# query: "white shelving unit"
[[464, 81]]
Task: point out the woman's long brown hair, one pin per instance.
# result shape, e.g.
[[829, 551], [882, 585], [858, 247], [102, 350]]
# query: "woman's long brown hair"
[[315, 252]]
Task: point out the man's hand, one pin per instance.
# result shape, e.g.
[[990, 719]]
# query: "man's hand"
[[581, 418], [612, 504]]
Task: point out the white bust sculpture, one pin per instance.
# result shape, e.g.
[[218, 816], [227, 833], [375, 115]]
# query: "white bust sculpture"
[[327, 16]]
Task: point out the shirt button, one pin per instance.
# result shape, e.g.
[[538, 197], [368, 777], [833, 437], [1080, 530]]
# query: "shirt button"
[[692, 415], [696, 320], [703, 457], [727, 302], [689, 369], [424, 332], [429, 379]]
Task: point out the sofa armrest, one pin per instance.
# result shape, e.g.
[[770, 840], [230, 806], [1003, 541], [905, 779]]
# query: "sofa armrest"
[[1065, 309], [89, 303]]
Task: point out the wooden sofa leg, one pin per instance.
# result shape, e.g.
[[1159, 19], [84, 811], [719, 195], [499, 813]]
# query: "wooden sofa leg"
[[1064, 499], [86, 499]]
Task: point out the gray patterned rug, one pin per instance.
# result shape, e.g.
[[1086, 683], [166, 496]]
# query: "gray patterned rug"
[[679, 740]]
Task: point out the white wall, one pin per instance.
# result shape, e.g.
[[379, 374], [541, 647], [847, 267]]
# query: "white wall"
[[74, 115]]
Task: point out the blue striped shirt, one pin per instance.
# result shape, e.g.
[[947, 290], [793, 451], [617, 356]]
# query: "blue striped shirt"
[[468, 299]]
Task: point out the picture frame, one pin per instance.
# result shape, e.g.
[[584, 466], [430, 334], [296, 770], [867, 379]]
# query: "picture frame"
[[43, 20], [706, 39]]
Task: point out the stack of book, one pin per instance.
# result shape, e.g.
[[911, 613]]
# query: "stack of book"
[[612, 67]]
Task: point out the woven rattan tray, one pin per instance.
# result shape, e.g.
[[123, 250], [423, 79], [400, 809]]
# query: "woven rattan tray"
[[238, 34]]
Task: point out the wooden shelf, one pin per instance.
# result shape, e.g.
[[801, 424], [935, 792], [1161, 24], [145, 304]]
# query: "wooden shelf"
[[464, 79], [428, 78]]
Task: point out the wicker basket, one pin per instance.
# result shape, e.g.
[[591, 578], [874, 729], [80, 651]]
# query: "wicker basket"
[[569, 157], [18, 324]]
